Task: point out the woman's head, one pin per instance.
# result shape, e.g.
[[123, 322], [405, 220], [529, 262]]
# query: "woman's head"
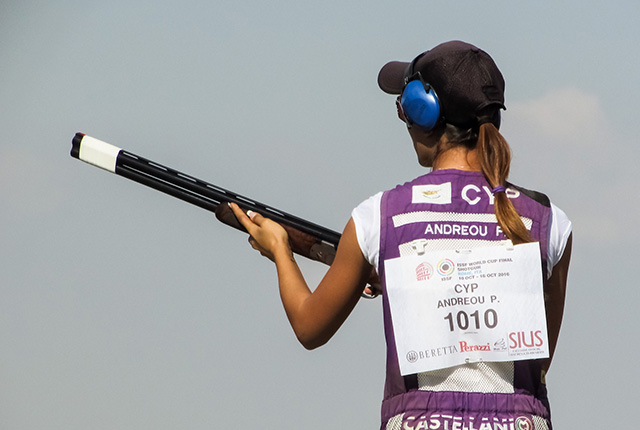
[[451, 97], [465, 80]]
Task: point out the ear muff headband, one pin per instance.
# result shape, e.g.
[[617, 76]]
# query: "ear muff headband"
[[418, 100]]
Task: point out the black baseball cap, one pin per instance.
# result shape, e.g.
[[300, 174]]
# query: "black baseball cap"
[[464, 77]]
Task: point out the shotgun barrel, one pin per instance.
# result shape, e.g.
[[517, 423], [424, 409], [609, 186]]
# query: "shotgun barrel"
[[308, 239]]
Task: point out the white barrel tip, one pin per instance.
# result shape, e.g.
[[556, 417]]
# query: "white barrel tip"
[[96, 152]]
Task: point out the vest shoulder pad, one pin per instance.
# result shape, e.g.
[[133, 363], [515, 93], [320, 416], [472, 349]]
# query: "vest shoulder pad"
[[535, 195]]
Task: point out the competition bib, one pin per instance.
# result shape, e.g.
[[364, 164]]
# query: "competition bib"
[[455, 307]]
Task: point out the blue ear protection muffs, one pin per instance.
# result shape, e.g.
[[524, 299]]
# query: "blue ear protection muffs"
[[420, 104], [419, 101]]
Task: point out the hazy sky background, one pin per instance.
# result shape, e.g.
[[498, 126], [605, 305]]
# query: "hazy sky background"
[[123, 308]]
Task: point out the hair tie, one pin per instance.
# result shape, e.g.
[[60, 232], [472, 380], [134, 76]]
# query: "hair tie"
[[499, 189]]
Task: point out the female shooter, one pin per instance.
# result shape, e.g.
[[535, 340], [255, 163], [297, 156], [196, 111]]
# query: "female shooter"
[[450, 98]]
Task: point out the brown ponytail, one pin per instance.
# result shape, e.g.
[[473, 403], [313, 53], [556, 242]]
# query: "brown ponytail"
[[495, 160]]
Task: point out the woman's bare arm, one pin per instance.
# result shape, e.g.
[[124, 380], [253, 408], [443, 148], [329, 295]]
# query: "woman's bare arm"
[[314, 316], [555, 298]]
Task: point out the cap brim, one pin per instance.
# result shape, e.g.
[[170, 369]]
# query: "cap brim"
[[391, 77]]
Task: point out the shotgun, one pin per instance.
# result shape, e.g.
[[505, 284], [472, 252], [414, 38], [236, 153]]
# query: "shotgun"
[[307, 239]]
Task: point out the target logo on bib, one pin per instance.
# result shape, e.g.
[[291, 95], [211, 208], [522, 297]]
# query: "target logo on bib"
[[446, 267]]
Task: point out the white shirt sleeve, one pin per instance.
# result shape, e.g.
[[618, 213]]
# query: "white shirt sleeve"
[[558, 236], [366, 217]]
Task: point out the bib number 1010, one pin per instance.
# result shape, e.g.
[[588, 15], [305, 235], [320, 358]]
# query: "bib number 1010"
[[465, 321]]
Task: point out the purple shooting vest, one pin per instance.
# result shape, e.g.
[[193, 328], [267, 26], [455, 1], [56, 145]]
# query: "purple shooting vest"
[[449, 209]]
